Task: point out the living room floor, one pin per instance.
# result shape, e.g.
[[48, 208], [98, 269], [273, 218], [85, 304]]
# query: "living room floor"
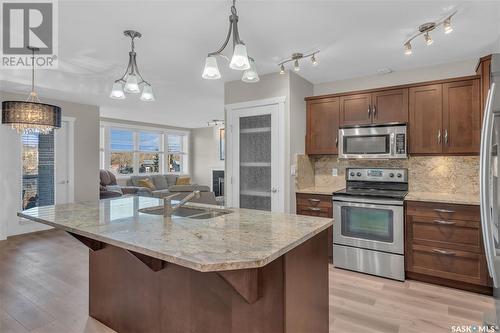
[[44, 289]]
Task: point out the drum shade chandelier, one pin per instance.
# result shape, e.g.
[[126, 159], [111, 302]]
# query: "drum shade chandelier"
[[31, 116], [132, 80], [240, 60], [426, 28]]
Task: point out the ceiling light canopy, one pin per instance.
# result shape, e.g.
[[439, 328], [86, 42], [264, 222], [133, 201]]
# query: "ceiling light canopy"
[[240, 60], [132, 81], [425, 30], [295, 58], [31, 116]]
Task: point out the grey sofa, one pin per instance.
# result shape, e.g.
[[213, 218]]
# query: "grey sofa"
[[165, 185]]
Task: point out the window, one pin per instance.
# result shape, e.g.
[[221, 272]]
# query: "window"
[[38, 170], [137, 151]]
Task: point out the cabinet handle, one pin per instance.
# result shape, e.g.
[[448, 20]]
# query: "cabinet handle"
[[446, 136], [439, 137], [369, 111], [444, 210], [337, 141], [374, 111], [444, 222], [313, 200], [446, 253], [314, 209]]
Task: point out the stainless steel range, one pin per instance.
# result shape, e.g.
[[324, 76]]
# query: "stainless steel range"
[[368, 235]]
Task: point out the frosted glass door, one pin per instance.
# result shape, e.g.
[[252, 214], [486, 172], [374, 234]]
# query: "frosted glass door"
[[255, 162]]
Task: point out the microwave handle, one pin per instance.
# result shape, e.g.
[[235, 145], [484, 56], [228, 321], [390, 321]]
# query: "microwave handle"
[[393, 144]]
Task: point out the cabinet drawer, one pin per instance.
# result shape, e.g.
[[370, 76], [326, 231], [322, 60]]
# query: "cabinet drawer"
[[443, 211], [314, 200], [448, 264], [314, 211], [452, 234]]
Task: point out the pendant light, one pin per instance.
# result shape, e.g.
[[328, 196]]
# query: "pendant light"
[[239, 60], [31, 116], [132, 80]]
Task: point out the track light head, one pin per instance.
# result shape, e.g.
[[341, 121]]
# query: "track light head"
[[296, 66], [282, 69], [314, 61], [428, 39], [408, 50], [447, 26]]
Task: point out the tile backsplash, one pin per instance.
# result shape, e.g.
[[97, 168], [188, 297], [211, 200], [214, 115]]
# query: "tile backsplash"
[[440, 174]]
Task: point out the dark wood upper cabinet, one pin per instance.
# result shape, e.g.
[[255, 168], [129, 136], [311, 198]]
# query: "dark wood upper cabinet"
[[484, 69], [355, 109], [322, 126], [461, 117], [426, 110], [390, 106]]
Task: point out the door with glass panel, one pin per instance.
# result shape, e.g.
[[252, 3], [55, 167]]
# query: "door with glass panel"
[[255, 158]]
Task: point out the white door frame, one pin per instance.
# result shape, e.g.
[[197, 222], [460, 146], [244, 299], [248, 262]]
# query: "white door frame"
[[279, 173], [71, 158]]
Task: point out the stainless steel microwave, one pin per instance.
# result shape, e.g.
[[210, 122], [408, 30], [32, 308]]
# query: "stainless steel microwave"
[[373, 142]]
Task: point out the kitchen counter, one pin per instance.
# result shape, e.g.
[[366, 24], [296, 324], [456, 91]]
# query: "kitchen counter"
[[247, 271], [242, 239], [323, 190], [452, 198]]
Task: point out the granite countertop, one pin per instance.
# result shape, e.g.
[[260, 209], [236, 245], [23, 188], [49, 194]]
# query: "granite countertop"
[[325, 190], [242, 239], [452, 198]]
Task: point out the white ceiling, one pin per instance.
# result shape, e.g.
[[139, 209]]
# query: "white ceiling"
[[355, 38]]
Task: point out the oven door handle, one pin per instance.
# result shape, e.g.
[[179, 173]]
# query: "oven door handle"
[[367, 202]]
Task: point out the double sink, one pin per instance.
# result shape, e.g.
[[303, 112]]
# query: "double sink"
[[198, 213]]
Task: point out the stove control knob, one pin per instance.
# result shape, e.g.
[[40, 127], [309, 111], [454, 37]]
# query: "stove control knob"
[[351, 174], [400, 175], [358, 174], [391, 175]]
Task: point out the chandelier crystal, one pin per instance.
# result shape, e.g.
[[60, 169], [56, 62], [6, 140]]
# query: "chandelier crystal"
[[239, 60], [132, 81], [31, 116]]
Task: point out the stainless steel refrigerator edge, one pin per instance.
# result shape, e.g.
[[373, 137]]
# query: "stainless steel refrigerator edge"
[[490, 183]]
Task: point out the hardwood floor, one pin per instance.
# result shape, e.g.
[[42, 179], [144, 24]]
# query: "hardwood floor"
[[44, 289]]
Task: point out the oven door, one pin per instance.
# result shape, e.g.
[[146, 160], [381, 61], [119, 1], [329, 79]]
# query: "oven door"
[[375, 224], [374, 142]]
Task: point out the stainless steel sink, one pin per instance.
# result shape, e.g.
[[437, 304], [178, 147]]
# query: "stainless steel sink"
[[189, 212]]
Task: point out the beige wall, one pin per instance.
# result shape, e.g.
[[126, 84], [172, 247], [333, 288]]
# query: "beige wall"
[[86, 152], [455, 69], [205, 154]]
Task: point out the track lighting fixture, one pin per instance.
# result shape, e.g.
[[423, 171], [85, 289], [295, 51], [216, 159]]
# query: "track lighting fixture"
[[295, 58], [239, 61], [425, 30]]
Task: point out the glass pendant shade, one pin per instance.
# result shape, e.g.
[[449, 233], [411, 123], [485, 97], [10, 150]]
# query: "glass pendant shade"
[[117, 91], [239, 61], [251, 75], [31, 117], [211, 71], [131, 85], [147, 94]]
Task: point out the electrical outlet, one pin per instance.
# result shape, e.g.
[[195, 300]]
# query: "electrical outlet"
[[335, 172]]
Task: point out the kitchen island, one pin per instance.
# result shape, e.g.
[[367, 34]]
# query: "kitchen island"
[[242, 271]]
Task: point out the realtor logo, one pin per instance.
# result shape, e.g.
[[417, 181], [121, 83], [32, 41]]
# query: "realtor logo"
[[31, 24]]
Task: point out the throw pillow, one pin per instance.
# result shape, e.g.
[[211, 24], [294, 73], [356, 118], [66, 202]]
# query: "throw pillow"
[[183, 181], [114, 188], [146, 182]]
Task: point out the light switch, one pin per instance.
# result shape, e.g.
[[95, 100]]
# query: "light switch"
[[335, 172]]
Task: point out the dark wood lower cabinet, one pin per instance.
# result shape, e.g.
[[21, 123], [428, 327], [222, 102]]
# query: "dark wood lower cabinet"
[[444, 246], [136, 293], [317, 205]]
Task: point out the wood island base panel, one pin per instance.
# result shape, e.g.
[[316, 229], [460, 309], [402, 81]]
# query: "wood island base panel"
[[130, 292]]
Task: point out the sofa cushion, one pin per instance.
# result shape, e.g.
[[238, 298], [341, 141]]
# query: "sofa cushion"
[[160, 193], [189, 188], [146, 182], [160, 181], [107, 177], [183, 181], [114, 188], [171, 179], [135, 179]]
